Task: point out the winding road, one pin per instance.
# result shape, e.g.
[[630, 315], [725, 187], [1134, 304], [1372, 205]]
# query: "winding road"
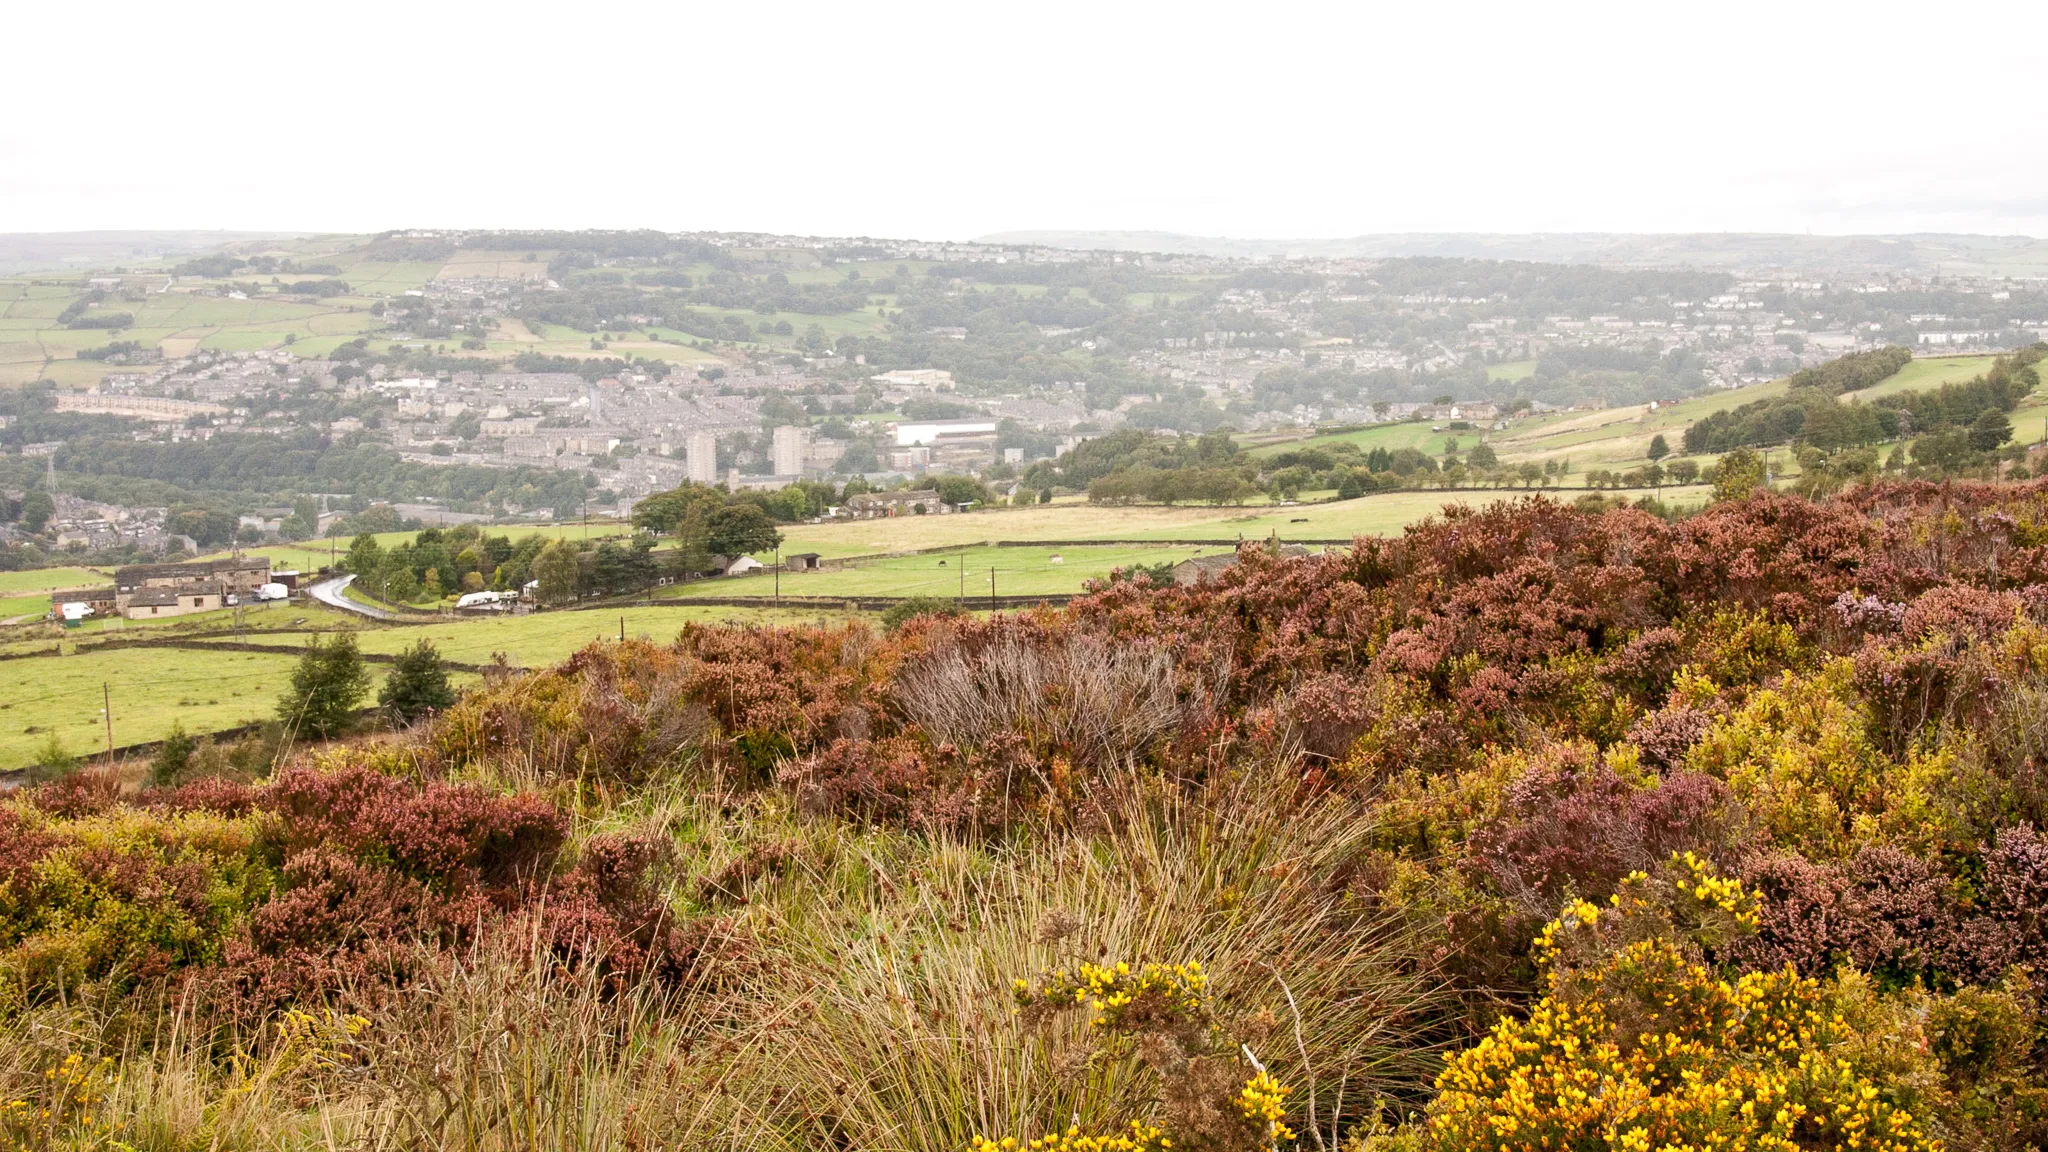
[[328, 592]]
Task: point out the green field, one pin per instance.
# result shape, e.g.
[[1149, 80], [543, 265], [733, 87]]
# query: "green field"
[[1070, 520], [151, 688], [544, 638], [1017, 572], [28, 593], [1392, 437], [1513, 370], [1929, 373], [1620, 437], [32, 345], [1030, 571], [46, 580], [1387, 513]]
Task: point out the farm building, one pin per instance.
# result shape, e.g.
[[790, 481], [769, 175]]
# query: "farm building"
[[100, 600], [1198, 568], [722, 565], [156, 602], [234, 576]]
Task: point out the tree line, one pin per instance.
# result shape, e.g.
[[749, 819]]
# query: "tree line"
[[1811, 415]]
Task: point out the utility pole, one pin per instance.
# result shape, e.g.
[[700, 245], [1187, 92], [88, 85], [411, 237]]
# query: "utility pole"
[[991, 587], [622, 629], [778, 575], [961, 600], [107, 697]]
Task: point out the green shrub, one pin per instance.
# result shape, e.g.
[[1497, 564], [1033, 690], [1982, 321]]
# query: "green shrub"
[[910, 608]]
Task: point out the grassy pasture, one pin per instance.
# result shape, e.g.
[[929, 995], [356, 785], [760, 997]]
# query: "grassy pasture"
[[1392, 437], [43, 581], [28, 593], [1066, 521], [33, 347], [1018, 572], [378, 278], [544, 638], [1387, 513], [151, 688], [1620, 437], [1922, 374]]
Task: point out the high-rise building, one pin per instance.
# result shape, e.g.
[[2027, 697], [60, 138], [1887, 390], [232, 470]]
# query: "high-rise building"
[[792, 445], [700, 457]]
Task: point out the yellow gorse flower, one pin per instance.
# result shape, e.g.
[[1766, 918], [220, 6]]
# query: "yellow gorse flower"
[[1262, 1100], [1111, 989], [1737, 1067], [1693, 886], [1141, 1138]]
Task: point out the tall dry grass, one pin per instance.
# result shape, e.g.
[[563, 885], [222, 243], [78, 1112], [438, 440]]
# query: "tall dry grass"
[[1103, 701]]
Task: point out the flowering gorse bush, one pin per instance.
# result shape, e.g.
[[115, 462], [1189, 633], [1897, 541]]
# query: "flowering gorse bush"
[[1261, 1101], [1720, 1065], [1164, 1013], [1141, 1138], [1121, 997], [1639, 1045]]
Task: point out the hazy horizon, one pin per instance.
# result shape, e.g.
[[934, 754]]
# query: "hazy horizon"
[[915, 121]]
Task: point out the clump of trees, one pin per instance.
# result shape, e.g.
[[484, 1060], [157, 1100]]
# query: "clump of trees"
[[1811, 415], [1854, 372], [439, 563]]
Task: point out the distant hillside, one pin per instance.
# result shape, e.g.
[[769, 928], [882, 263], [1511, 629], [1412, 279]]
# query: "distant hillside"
[[1924, 252], [35, 251]]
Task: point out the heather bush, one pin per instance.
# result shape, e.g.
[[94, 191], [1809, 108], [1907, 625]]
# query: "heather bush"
[[324, 878], [1569, 828], [118, 896], [614, 715]]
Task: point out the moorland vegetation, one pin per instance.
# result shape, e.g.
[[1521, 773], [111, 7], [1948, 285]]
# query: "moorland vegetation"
[[1538, 826]]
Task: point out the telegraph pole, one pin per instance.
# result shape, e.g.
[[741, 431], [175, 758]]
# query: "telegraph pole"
[[991, 587], [778, 575], [107, 698]]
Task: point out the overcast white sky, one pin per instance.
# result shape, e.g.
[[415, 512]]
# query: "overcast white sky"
[[1273, 119]]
